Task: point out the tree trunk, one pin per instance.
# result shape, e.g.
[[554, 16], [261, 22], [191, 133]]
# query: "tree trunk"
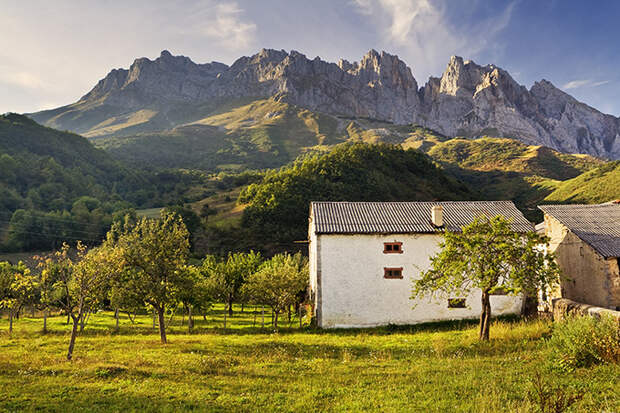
[[162, 324], [45, 321], [68, 318], [82, 322], [230, 309], [300, 316], [190, 320], [262, 316], [485, 316], [275, 320], [174, 310], [289, 314], [74, 331], [242, 305], [116, 317]]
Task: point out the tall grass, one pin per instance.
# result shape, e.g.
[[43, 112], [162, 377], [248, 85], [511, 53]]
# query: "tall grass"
[[427, 368]]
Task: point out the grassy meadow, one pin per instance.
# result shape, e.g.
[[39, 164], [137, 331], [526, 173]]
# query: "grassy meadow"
[[430, 368]]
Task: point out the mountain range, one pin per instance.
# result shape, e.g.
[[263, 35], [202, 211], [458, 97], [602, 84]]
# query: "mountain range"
[[468, 100]]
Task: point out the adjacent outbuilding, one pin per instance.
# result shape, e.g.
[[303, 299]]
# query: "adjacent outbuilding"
[[586, 243], [364, 257]]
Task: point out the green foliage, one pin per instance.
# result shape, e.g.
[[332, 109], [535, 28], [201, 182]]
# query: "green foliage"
[[55, 187], [583, 341], [17, 288], [500, 168], [489, 256], [551, 398], [595, 186], [279, 283], [277, 208], [150, 260], [227, 276]]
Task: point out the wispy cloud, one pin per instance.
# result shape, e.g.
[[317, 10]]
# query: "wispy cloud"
[[23, 79], [574, 84], [421, 29], [223, 22]]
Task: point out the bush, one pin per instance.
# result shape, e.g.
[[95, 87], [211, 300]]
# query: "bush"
[[584, 341]]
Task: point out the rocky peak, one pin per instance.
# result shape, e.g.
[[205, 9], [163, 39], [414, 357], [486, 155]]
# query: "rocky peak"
[[461, 78], [467, 100]]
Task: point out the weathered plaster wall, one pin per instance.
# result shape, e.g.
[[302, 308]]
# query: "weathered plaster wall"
[[354, 292], [589, 276], [614, 277]]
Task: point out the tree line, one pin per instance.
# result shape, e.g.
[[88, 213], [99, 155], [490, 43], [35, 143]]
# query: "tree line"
[[144, 264]]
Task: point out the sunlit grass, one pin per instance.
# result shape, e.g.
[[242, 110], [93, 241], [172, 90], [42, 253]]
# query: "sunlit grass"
[[434, 367]]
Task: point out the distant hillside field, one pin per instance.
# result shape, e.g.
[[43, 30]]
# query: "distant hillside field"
[[255, 134], [598, 185]]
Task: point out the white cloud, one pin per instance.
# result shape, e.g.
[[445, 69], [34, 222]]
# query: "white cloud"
[[574, 84], [224, 23], [23, 79], [420, 30]]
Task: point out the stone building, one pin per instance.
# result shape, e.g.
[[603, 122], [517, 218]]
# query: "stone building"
[[586, 242], [364, 257]]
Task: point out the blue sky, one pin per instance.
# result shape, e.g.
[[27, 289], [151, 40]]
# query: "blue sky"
[[54, 52]]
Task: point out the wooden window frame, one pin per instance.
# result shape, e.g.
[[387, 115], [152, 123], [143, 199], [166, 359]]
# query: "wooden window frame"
[[392, 251], [387, 270]]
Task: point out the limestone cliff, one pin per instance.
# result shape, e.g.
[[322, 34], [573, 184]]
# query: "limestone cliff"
[[468, 99]]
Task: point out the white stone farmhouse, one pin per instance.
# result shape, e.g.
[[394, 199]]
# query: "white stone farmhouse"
[[364, 257], [586, 242]]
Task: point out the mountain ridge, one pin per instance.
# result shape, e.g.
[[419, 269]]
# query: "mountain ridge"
[[467, 100]]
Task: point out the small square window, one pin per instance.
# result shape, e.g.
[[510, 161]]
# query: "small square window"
[[456, 303], [392, 247], [393, 272]]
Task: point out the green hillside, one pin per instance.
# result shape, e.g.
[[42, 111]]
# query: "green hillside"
[[57, 186], [255, 134], [501, 168], [277, 207], [598, 185]]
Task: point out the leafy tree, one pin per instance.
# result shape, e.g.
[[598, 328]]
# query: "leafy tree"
[[80, 283], [278, 282], [17, 288], [488, 255], [48, 289], [151, 259], [194, 293], [228, 276], [206, 211]]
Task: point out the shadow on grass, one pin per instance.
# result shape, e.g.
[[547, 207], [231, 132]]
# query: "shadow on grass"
[[244, 327]]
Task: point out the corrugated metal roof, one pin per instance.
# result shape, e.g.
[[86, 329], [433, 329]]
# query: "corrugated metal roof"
[[598, 225], [407, 217]]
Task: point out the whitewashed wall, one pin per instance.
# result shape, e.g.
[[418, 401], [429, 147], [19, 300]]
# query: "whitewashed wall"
[[346, 273]]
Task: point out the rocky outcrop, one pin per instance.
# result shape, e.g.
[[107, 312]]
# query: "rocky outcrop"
[[468, 99]]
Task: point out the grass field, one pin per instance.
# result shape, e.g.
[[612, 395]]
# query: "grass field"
[[429, 368]]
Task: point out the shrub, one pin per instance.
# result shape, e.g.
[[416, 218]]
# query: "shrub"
[[549, 398], [583, 341]]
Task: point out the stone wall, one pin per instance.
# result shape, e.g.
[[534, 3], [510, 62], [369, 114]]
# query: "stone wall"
[[587, 277], [563, 307]]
